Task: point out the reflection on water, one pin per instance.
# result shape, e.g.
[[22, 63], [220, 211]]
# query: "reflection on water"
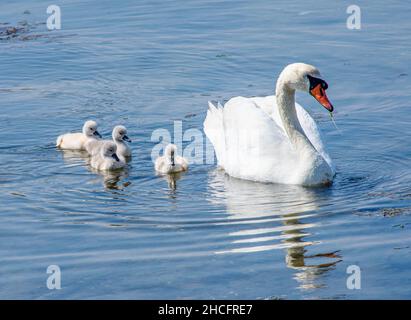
[[172, 179], [284, 209], [113, 179], [110, 179], [309, 268], [148, 65], [74, 157]]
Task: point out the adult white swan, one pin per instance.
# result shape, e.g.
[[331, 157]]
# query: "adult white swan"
[[273, 139]]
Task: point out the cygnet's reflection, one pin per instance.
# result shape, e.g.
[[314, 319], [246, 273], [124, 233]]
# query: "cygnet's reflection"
[[74, 157], [110, 179], [113, 179], [273, 216], [172, 179]]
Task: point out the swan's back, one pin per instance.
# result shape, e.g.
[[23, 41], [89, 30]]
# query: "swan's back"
[[214, 130], [71, 141], [93, 146], [269, 105], [250, 141]]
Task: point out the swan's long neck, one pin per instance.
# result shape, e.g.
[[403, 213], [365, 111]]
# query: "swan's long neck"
[[286, 107]]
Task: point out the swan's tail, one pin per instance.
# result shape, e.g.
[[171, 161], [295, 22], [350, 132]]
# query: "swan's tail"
[[214, 130], [59, 141]]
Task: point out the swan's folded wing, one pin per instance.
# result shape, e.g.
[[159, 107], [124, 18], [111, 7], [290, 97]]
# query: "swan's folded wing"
[[313, 133], [269, 106], [214, 130], [256, 147]]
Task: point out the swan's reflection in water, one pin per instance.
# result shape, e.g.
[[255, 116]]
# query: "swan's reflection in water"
[[110, 179], [309, 268], [172, 179], [270, 217], [113, 179], [74, 157]]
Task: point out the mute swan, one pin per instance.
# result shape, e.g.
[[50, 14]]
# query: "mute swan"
[[273, 139], [120, 137], [78, 140], [106, 158], [170, 162]]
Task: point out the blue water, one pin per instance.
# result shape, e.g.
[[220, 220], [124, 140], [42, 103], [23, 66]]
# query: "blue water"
[[146, 64]]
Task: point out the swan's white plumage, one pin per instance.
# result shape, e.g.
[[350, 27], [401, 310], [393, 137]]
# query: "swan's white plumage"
[[106, 158], [119, 135], [78, 140], [93, 147], [251, 143], [269, 105], [214, 129], [72, 141], [166, 164]]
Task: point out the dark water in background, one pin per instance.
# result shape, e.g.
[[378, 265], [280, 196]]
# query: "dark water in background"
[[147, 63]]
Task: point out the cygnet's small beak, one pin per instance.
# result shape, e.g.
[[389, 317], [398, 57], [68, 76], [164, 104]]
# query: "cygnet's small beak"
[[115, 157], [126, 138], [173, 160], [96, 133]]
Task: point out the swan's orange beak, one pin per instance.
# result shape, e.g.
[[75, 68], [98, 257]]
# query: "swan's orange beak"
[[318, 92]]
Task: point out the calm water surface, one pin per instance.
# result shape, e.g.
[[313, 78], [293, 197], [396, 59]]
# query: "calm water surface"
[[146, 64]]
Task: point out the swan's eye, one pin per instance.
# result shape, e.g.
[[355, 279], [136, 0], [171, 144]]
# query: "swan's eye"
[[314, 82]]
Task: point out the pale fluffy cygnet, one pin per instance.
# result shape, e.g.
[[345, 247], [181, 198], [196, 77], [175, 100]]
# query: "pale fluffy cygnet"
[[170, 162], [78, 140], [120, 138], [107, 158]]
